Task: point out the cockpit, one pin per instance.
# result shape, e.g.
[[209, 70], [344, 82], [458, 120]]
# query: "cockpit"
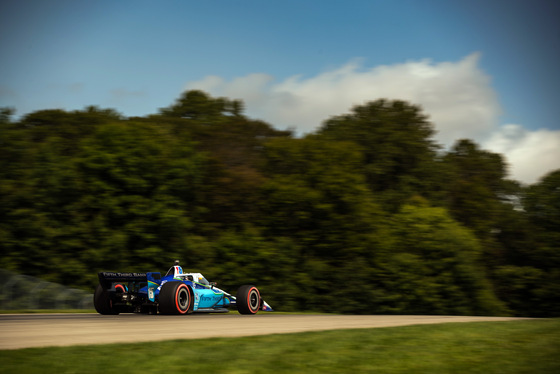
[[177, 272]]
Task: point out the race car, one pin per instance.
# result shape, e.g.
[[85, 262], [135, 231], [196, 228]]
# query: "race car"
[[174, 293]]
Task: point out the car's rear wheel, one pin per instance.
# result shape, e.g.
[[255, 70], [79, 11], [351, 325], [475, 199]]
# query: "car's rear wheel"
[[102, 302], [248, 299], [175, 298]]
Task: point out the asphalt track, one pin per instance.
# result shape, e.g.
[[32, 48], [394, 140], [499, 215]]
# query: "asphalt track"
[[43, 330]]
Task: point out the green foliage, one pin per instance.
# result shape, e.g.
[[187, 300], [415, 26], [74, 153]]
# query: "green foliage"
[[476, 186], [122, 197], [316, 193], [434, 266], [542, 204], [395, 140], [197, 105], [364, 216], [530, 281]]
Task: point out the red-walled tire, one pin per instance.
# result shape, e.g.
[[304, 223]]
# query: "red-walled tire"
[[175, 298], [248, 299]]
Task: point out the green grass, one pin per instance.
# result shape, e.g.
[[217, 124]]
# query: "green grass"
[[45, 311], [529, 346]]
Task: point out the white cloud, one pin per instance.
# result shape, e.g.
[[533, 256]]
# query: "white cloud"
[[457, 96], [530, 154]]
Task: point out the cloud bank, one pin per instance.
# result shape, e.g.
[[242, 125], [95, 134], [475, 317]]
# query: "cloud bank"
[[457, 97], [530, 154]]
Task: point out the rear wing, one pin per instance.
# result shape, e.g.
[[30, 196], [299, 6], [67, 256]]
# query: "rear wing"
[[107, 278]]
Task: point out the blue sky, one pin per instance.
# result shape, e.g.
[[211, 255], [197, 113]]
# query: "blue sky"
[[493, 63]]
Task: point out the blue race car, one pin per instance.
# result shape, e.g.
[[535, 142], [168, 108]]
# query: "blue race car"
[[174, 293]]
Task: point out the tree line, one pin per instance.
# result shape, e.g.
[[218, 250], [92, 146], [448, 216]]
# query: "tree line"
[[368, 214]]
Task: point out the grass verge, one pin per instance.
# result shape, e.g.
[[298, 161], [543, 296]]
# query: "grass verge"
[[529, 346], [45, 311]]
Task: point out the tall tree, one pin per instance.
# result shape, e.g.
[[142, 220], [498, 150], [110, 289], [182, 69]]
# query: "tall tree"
[[542, 204], [477, 185], [433, 266], [316, 191], [396, 140], [233, 145], [530, 281], [198, 105], [316, 195], [140, 191]]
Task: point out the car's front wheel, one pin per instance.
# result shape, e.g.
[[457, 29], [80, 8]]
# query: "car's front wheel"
[[248, 299], [175, 298]]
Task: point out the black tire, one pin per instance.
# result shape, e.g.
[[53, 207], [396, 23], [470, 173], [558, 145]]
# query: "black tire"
[[248, 299], [175, 298], [103, 304]]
